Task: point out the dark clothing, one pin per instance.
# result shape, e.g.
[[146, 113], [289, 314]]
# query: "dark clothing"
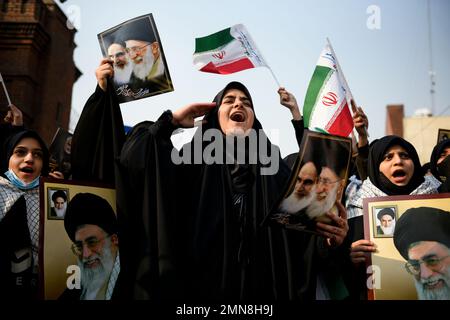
[[18, 282], [6, 130], [98, 138], [441, 171]]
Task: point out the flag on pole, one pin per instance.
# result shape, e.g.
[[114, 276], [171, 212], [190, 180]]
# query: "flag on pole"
[[227, 51], [4, 89], [326, 108]]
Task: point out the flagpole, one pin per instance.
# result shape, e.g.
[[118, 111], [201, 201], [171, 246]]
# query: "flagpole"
[[275, 78], [341, 75], [6, 91]]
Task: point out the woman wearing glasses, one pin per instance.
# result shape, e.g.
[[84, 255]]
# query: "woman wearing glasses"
[[427, 250]]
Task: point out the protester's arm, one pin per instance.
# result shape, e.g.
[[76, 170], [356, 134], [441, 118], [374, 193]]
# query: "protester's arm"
[[103, 72], [185, 117], [288, 100], [361, 123]]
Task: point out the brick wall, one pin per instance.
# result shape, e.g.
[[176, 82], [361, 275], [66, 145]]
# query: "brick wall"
[[36, 61]]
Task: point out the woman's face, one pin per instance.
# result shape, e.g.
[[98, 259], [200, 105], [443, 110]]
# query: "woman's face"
[[397, 166], [236, 115], [26, 160]]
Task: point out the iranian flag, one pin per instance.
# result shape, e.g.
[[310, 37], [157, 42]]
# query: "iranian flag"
[[227, 51], [326, 108]]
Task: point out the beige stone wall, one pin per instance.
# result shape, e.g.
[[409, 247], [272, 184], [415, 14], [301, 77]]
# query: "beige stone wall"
[[422, 132]]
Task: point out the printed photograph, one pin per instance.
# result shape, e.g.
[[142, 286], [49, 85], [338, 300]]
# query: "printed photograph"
[[57, 203], [443, 134], [414, 262], [78, 252], [318, 178], [140, 67], [384, 220]]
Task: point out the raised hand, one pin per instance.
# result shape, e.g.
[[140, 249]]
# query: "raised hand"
[[104, 71], [288, 100], [185, 117], [361, 123], [14, 116]]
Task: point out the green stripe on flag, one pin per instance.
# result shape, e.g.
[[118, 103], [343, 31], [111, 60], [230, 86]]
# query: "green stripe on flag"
[[213, 41], [318, 80]]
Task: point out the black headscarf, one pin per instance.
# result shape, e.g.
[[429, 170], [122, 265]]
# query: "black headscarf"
[[12, 142], [438, 149], [378, 148], [230, 249], [421, 224]]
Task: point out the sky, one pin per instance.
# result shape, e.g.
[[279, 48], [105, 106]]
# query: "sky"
[[382, 47]]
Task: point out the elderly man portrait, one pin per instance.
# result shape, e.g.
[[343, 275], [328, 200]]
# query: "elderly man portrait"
[[422, 236], [59, 199], [144, 52], [121, 63], [304, 191], [91, 224], [386, 217]]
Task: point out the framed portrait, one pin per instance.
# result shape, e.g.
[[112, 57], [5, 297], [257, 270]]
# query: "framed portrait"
[[388, 278], [319, 173], [443, 134], [384, 218], [140, 66], [57, 203], [56, 260]]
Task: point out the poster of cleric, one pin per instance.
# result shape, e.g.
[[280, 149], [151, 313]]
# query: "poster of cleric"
[[136, 52], [317, 182]]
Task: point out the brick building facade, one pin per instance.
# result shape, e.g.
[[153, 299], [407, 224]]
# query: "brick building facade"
[[36, 61]]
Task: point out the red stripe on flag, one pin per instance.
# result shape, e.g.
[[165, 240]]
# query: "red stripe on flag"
[[232, 67], [343, 123]]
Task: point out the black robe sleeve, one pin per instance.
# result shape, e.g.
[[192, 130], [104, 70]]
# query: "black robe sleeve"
[[98, 138]]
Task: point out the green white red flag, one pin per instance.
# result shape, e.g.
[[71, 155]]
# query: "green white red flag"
[[227, 51], [326, 108]]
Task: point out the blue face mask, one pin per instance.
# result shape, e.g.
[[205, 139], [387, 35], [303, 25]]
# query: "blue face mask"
[[19, 183]]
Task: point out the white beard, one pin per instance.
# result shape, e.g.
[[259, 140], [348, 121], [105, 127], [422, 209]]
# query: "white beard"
[[388, 230], [437, 294], [61, 212], [318, 208], [122, 75], [143, 69], [92, 280], [294, 204]]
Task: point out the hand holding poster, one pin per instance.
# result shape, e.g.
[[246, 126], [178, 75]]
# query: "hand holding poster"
[[140, 67]]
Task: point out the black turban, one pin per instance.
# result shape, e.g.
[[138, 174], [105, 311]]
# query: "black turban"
[[88, 208], [385, 211], [139, 29], [59, 194], [421, 224]]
